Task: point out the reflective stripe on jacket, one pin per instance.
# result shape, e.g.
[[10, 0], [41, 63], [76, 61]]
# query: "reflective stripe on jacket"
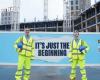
[[74, 50], [28, 46]]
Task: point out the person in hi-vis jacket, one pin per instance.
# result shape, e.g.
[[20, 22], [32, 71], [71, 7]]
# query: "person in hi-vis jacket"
[[78, 50], [25, 48]]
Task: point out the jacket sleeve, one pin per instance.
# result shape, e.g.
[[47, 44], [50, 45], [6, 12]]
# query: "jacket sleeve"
[[15, 44], [87, 48], [69, 55], [33, 46]]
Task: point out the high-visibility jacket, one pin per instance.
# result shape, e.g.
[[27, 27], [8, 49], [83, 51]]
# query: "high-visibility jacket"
[[28, 46], [75, 52]]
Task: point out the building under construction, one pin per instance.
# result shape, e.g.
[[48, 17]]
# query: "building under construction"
[[89, 19], [72, 9], [6, 16], [45, 26], [77, 15]]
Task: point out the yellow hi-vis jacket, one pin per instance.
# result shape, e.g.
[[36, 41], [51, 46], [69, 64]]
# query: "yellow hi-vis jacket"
[[28, 46], [74, 50]]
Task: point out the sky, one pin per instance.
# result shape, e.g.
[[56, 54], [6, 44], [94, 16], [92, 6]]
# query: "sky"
[[29, 9]]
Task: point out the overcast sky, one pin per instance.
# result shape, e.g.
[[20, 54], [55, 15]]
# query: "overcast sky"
[[34, 8]]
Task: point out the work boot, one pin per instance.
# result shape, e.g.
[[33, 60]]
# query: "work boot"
[[18, 78], [73, 79]]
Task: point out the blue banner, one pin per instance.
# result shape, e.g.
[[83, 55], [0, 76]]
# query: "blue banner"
[[50, 48]]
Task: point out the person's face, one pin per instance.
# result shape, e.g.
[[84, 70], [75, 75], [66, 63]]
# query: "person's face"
[[27, 32], [76, 35]]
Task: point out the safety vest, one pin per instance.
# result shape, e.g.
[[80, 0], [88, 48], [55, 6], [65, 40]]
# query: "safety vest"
[[74, 48], [28, 46]]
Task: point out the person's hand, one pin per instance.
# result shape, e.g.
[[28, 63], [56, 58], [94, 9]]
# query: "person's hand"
[[32, 58], [70, 60], [20, 49], [82, 52]]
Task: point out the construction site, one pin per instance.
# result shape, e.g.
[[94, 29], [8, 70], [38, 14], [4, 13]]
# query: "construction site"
[[43, 54], [80, 15]]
